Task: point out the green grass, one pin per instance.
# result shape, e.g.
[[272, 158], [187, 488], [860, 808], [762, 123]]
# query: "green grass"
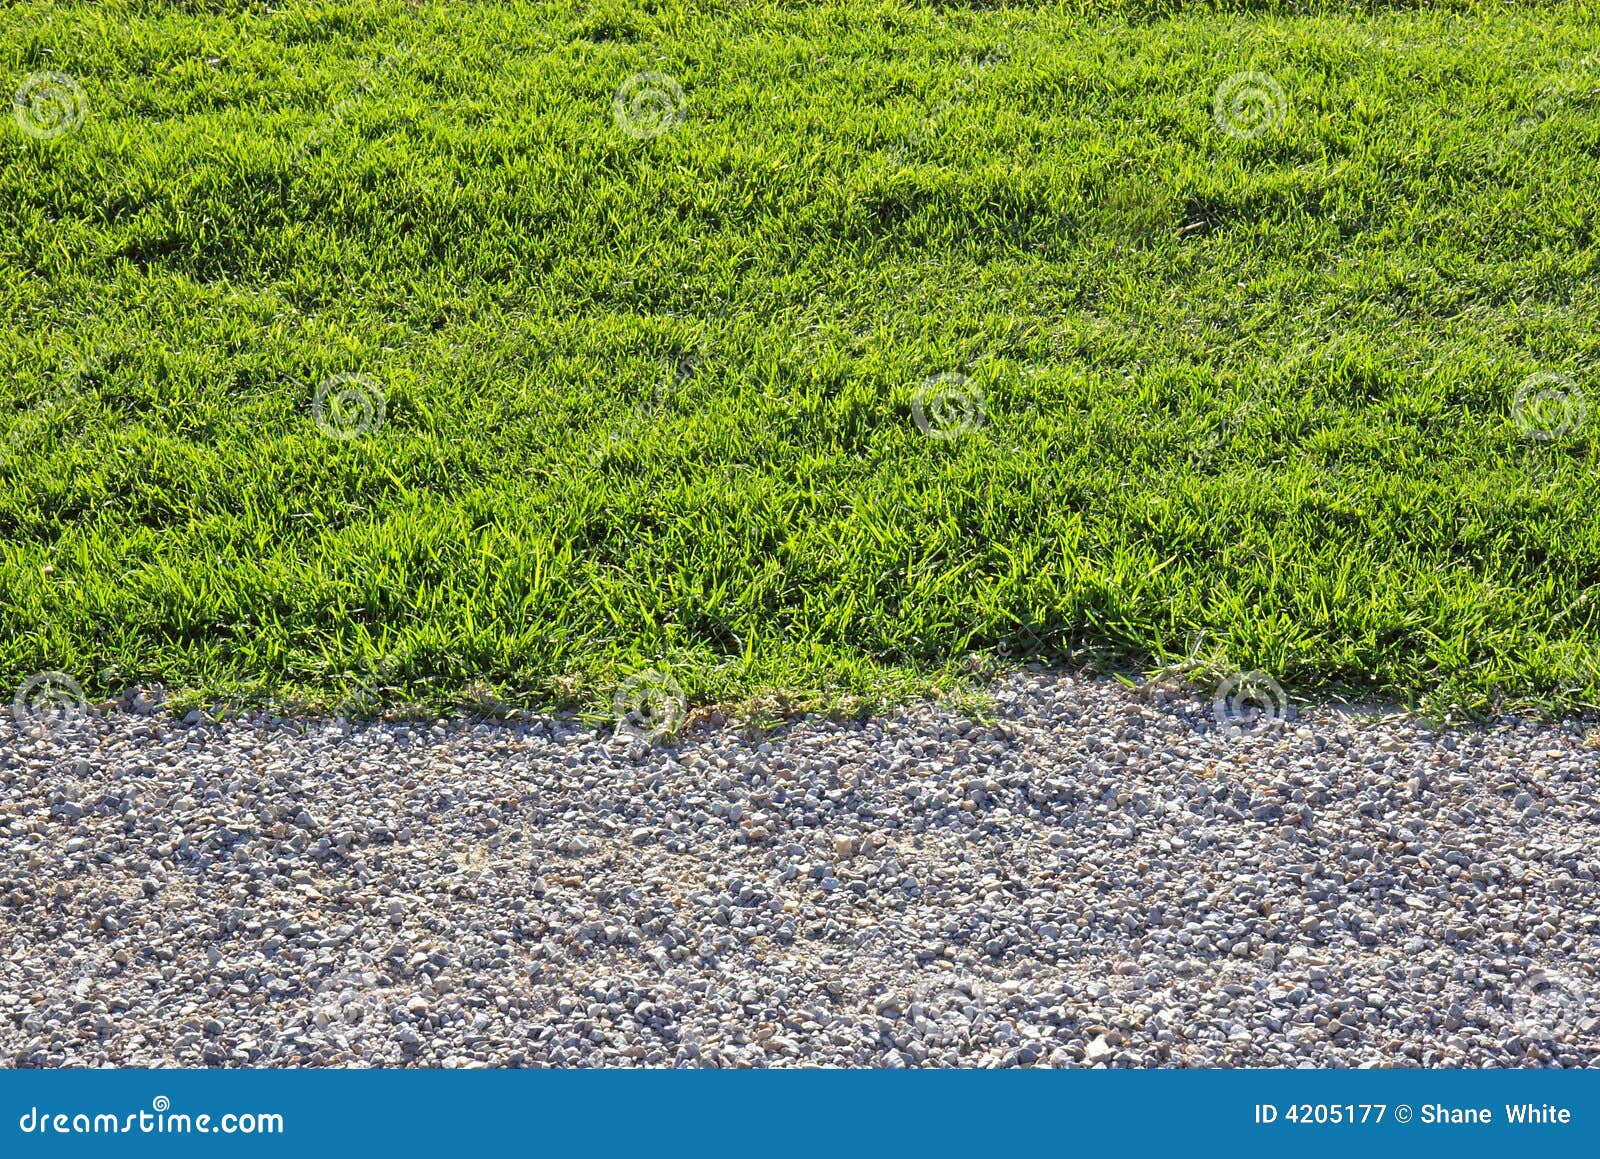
[[649, 401]]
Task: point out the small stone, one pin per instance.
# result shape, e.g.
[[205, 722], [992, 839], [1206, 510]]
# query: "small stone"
[[928, 890]]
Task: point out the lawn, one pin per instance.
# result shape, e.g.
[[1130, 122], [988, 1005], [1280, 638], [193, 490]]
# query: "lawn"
[[813, 355]]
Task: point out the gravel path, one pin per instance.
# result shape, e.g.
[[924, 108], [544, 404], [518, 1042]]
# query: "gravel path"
[[1097, 876]]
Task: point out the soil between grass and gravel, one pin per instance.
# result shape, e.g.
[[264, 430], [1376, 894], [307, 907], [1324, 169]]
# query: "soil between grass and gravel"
[[1095, 875]]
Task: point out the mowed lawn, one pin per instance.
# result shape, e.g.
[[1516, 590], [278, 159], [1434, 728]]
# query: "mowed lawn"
[[491, 353]]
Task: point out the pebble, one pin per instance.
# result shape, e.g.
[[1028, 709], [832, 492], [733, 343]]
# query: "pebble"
[[1091, 875]]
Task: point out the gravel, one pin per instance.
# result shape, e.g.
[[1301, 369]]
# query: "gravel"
[[1091, 876]]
